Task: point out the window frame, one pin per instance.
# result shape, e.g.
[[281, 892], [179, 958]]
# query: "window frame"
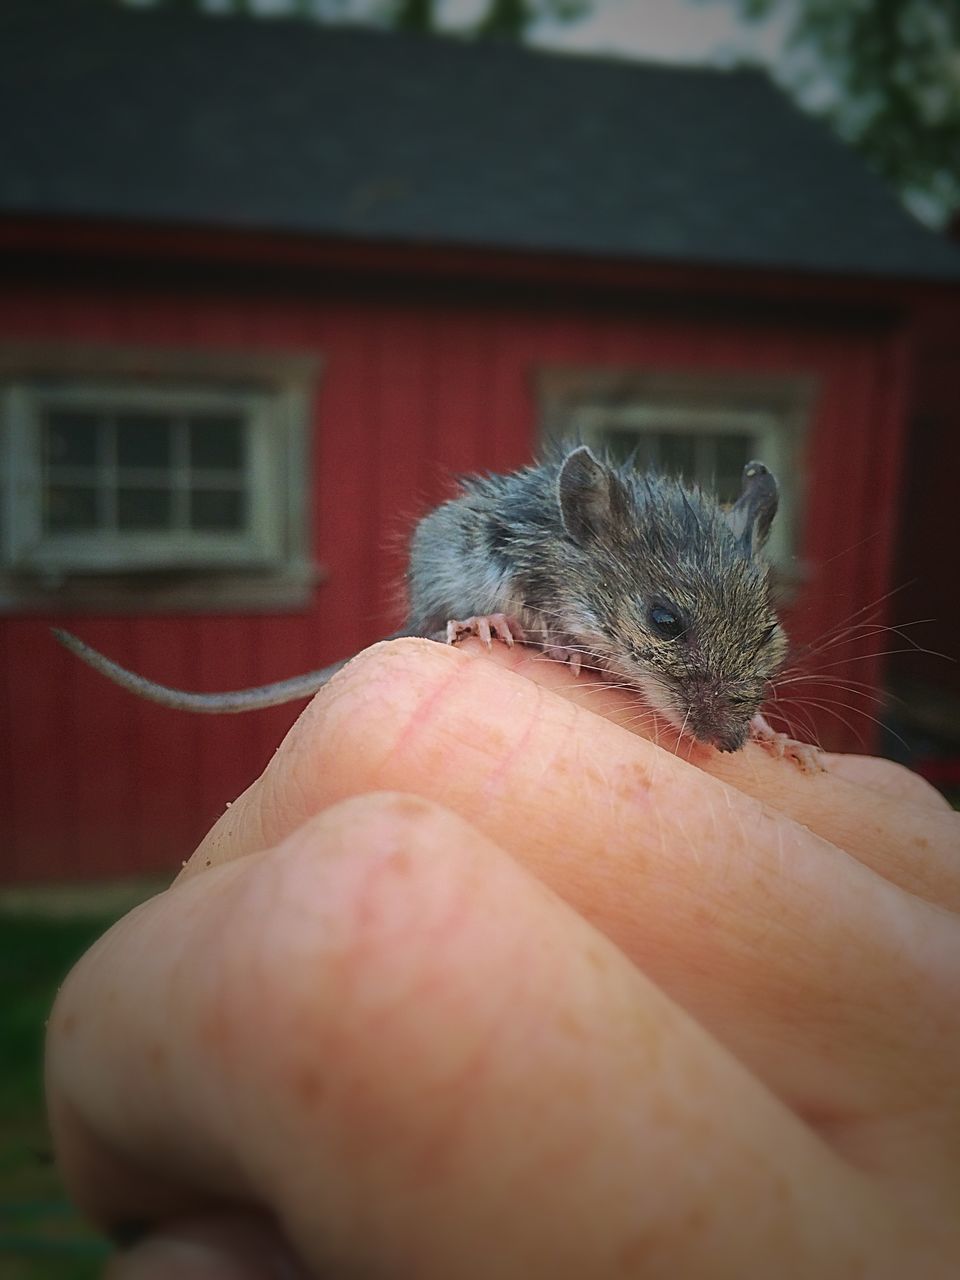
[[31, 548], [266, 566]]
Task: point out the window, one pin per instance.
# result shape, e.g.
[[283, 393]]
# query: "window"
[[125, 478], [197, 483], [704, 428]]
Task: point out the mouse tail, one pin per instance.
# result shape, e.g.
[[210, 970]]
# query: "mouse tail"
[[231, 702]]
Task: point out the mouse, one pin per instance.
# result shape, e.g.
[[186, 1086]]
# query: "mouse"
[[634, 574]]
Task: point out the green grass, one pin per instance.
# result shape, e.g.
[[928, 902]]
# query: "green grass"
[[41, 1236]]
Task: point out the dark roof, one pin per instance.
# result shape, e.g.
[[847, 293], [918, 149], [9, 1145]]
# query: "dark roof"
[[280, 125]]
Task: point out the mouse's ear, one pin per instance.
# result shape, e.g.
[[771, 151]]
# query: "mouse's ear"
[[591, 496], [752, 514]]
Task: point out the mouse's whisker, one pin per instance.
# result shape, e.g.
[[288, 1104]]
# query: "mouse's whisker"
[[683, 729], [602, 686], [586, 669], [795, 706], [829, 705], [822, 680], [809, 730], [640, 715], [856, 688], [545, 639], [822, 699], [776, 709], [882, 653], [844, 720], [811, 677], [606, 686], [861, 631], [872, 605]]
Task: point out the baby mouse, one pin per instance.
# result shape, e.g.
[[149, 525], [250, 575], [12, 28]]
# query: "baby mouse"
[[601, 566]]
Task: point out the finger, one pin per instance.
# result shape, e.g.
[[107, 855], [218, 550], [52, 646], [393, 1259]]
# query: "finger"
[[798, 957], [421, 1063], [888, 778], [912, 846], [214, 1246], [886, 831]]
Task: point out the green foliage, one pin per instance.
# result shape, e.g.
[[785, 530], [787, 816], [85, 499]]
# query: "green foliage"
[[415, 15], [513, 18], [35, 954], [887, 76], [506, 18], [40, 1235]]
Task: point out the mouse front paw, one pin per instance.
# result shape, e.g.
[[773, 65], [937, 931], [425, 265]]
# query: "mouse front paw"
[[807, 758], [487, 626]]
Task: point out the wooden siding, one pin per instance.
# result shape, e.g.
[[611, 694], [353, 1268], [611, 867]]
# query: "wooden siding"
[[96, 782], [927, 604]]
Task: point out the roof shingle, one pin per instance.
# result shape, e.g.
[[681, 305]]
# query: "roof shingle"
[[288, 126]]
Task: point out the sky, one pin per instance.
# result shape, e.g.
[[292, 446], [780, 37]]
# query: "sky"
[[664, 30]]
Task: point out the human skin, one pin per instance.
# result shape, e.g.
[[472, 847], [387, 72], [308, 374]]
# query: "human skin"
[[475, 981]]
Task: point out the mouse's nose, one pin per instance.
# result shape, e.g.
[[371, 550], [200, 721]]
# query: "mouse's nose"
[[712, 717]]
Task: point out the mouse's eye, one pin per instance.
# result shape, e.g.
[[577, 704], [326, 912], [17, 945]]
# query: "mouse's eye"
[[666, 622]]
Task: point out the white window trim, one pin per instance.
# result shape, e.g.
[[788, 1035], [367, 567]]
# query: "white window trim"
[[267, 567]]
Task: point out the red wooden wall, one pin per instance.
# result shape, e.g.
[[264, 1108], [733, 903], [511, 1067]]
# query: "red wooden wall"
[[96, 782], [927, 603]]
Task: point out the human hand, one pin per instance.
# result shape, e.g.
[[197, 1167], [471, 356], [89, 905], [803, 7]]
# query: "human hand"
[[473, 982]]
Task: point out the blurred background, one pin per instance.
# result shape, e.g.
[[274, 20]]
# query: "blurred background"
[[274, 273]]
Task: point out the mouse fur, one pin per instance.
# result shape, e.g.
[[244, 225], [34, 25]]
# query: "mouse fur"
[[635, 574], [589, 555]]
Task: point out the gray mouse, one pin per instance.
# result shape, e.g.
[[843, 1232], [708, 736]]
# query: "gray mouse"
[[636, 575]]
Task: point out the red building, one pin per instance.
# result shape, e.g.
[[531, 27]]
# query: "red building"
[[266, 286]]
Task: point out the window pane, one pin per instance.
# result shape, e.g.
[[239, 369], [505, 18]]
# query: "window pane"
[[217, 443], [219, 510], [144, 440], [70, 439], [143, 509], [678, 455], [69, 510], [732, 454]]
